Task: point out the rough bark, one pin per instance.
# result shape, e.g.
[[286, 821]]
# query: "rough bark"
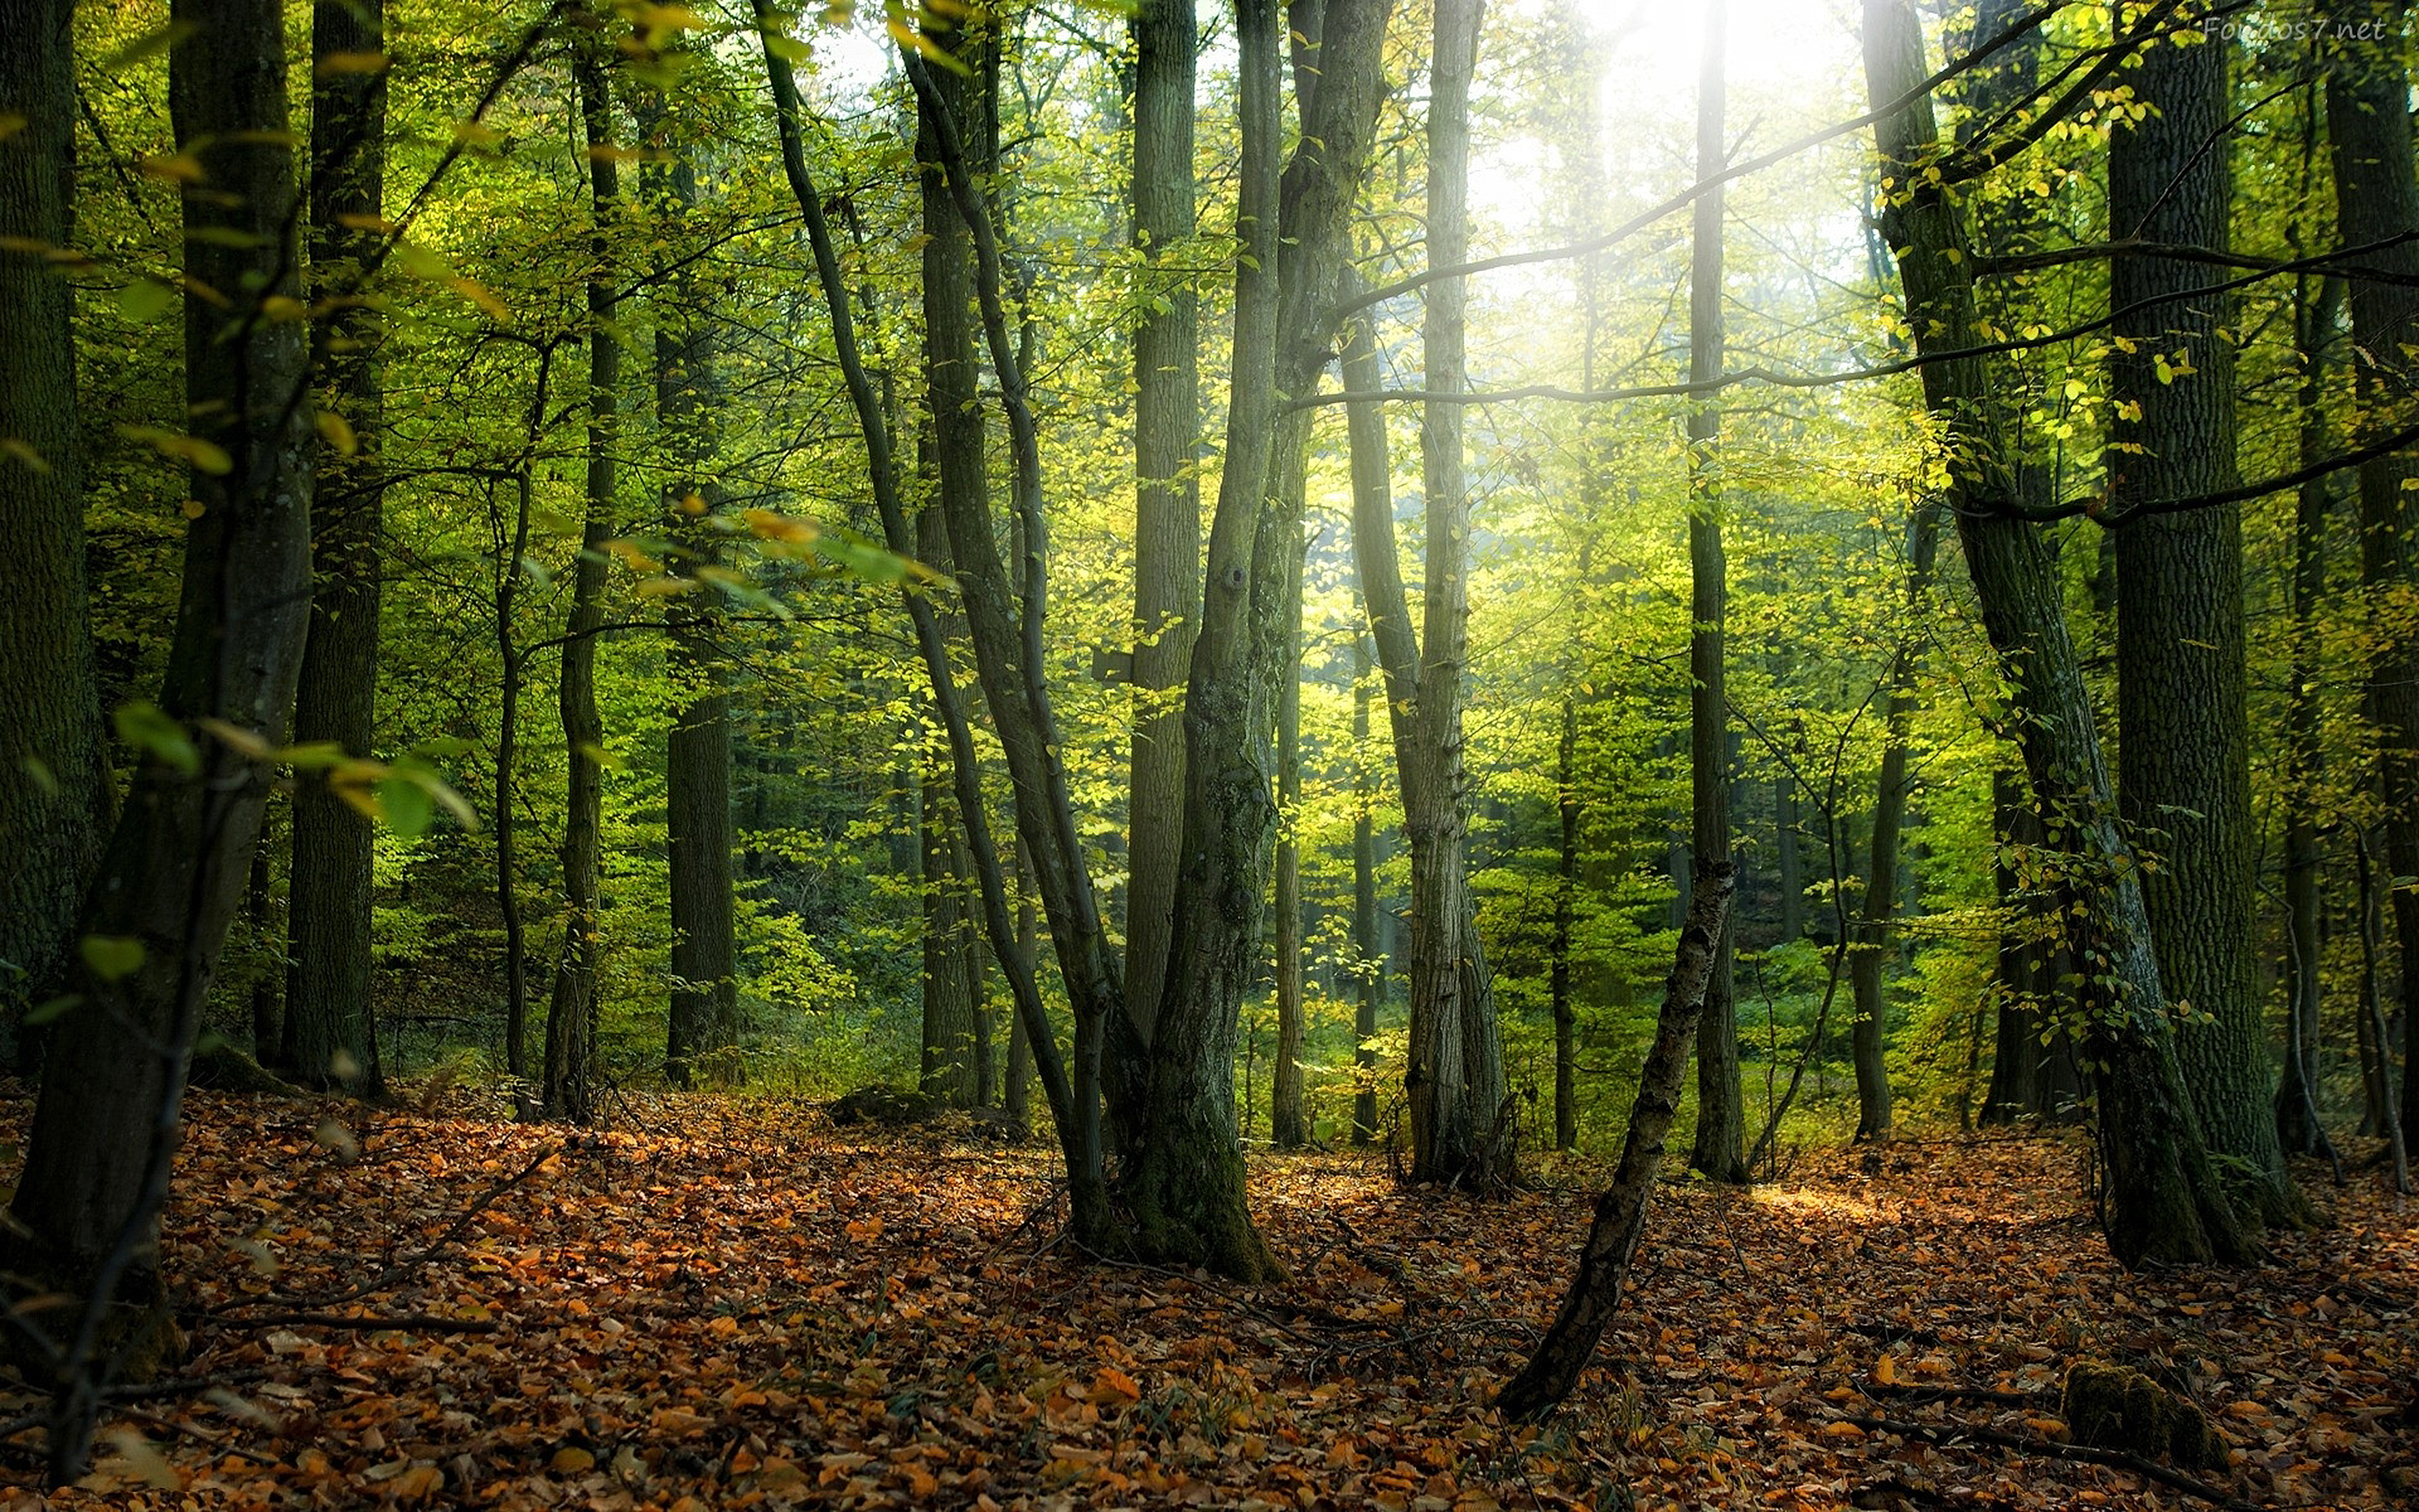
[[55, 786], [1167, 489], [84, 1218], [948, 1069], [2377, 198], [1720, 1111], [2165, 1201], [568, 1087], [689, 394], [2184, 761], [328, 951], [1620, 1213]]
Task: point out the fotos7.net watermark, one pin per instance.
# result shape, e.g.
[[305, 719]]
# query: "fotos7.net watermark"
[[2295, 31]]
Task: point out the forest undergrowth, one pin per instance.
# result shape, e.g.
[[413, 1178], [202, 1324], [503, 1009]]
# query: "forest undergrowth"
[[734, 1303]]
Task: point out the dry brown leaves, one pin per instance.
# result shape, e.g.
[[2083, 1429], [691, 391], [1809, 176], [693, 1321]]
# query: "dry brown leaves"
[[736, 1305]]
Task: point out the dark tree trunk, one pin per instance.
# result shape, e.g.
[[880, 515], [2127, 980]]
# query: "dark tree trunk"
[[2376, 1057], [511, 545], [947, 1068], [689, 394], [85, 1213], [2376, 197], [2184, 761], [55, 786], [1621, 1212], [1788, 859], [328, 975], [2164, 1199], [1721, 1116], [571, 1014], [2299, 1130], [1168, 492]]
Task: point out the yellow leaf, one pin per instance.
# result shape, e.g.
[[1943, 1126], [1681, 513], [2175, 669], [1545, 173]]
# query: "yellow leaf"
[[1114, 1382], [205, 456], [778, 527], [335, 63], [337, 432], [866, 1231], [476, 292], [568, 1460], [1886, 1372]]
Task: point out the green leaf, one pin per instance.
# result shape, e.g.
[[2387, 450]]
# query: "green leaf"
[[144, 301], [142, 726], [57, 1008], [406, 806], [204, 456], [111, 957]]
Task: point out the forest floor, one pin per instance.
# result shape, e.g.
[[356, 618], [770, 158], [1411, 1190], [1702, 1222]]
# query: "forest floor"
[[732, 1303]]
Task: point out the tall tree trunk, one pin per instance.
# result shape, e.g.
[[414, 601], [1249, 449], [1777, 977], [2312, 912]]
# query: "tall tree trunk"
[[1566, 878], [2184, 761], [328, 974], [1621, 1212], [2299, 1130], [1289, 1120], [689, 394], [1873, 945], [86, 1214], [1368, 964], [1788, 859], [54, 788], [1167, 489], [947, 1068], [2164, 1199], [2377, 198], [511, 545], [571, 1013], [1073, 1105], [1720, 1112]]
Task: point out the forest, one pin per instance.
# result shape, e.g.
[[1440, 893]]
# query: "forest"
[[1029, 753]]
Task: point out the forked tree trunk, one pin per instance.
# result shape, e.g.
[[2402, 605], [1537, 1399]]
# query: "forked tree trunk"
[[2165, 1201], [328, 976], [86, 1214], [1621, 1212], [55, 786], [1720, 1113]]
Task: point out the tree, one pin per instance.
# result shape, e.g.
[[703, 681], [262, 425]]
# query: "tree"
[[2183, 779], [1167, 486], [154, 920], [568, 1086], [328, 978], [2377, 200], [1721, 1116], [54, 788], [2165, 1197]]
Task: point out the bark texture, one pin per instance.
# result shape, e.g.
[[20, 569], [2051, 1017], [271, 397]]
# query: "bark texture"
[[1167, 488], [86, 1209], [55, 787], [2184, 759], [328, 952], [2165, 1201]]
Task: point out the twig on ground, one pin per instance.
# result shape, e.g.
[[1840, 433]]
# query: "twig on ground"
[[2116, 1458]]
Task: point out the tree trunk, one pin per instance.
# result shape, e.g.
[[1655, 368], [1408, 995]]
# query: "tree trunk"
[[2299, 1129], [1873, 944], [328, 975], [55, 798], [2376, 1057], [511, 548], [571, 1014], [1167, 491], [1566, 877], [1788, 859], [1621, 1212], [85, 1215], [689, 394], [1289, 1120], [2376, 197], [2165, 1201], [1720, 1113], [1369, 963], [2184, 764], [948, 1070]]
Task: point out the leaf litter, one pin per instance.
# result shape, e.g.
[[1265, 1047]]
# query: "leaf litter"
[[732, 1303]]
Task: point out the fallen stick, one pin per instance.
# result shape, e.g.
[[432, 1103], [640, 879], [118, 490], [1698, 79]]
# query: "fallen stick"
[[2081, 1453]]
